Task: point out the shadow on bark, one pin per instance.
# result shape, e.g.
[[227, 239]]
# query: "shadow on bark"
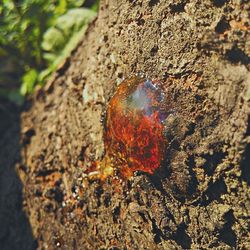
[[15, 230]]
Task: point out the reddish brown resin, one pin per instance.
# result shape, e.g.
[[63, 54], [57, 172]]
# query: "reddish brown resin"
[[134, 129]]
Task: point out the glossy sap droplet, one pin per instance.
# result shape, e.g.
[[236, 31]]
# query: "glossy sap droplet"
[[134, 131]]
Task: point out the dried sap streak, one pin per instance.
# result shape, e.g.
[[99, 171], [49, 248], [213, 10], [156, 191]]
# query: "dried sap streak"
[[134, 129]]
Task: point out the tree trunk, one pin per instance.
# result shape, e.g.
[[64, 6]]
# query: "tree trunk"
[[199, 198]]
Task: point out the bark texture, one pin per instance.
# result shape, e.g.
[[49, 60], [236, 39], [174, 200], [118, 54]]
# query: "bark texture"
[[199, 198]]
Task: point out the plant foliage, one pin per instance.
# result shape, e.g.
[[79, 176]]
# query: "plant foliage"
[[35, 36]]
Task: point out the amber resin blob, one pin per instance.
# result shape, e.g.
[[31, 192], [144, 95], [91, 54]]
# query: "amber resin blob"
[[134, 130]]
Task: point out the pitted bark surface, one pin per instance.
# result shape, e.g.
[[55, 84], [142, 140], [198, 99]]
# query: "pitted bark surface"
[[199, 198]]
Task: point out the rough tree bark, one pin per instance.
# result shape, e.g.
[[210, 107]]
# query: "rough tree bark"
[[200, 198]]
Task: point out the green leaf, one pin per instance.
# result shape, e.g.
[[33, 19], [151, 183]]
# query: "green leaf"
[[62, 38], [44, 74], [95, 6], [53, 40], [28, 82]]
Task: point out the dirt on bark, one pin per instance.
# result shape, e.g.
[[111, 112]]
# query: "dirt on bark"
[[198, 199]]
